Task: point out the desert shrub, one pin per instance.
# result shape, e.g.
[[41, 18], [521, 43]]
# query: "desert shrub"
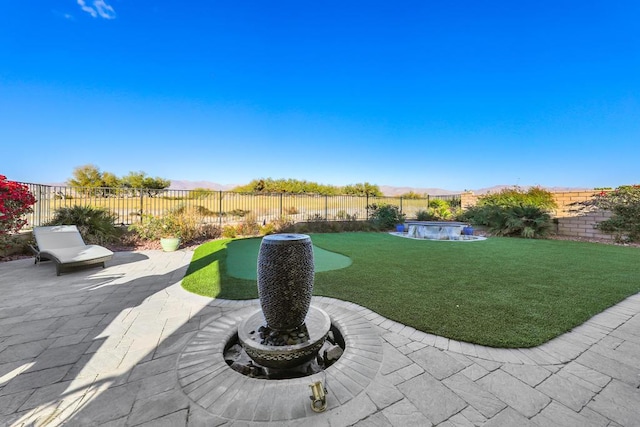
[[513, 212], [200, 193], [515, 196], [183, 222], [248, 227], [384, 216], [268, 228], [353, 225], [210, 231], [284, 224], [523, 221], [96, 225], [240, 213], [229, 232], [440, 209], [292, 210], [425, 215], [204, 211], [316, 218], [624, 204], [343, 215], [316, 223], [153, 228]]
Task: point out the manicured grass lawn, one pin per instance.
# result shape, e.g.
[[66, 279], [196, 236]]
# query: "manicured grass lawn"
[[502, 292]]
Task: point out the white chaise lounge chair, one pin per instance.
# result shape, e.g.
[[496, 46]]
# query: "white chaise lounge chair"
[[63, 245]]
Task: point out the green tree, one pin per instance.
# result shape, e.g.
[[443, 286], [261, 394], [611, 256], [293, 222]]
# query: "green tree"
[[86, 178], [412, 195], [146, 184], [292, 186], [110, 180], [362, 189]]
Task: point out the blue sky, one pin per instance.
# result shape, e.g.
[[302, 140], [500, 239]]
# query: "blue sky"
[[448, 94]]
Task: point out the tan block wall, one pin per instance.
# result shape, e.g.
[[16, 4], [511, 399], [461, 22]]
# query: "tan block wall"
[[572, 223], [569, 222]]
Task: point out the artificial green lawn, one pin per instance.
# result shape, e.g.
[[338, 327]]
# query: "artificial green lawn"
[[501, 292]]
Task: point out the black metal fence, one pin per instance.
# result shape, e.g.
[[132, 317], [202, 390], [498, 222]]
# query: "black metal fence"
[[222, 207]]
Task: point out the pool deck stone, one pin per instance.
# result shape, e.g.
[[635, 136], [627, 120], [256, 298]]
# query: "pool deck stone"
[[127, 346]]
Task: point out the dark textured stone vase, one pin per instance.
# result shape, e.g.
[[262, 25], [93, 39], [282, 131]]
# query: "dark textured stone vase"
[[285, 279]]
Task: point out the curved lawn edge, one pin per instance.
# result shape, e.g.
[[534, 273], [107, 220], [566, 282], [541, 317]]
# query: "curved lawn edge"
[[512, 293], [243, 255]]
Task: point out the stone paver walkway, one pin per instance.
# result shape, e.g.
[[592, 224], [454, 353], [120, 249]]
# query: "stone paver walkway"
[[119, 347]]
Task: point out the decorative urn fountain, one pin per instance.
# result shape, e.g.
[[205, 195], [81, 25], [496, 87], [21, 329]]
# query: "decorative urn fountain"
[[287, 332]]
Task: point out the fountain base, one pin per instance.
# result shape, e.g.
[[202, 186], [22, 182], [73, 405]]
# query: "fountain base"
[[296, 346]]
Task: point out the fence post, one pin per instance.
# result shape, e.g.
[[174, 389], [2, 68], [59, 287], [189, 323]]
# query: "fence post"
[[38, 219], [326, 208], [400, 204], [141, 204], [366, 206], [220, 209], [280, 205]]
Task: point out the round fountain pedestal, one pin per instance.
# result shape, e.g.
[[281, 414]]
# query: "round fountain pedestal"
[[317, 323]]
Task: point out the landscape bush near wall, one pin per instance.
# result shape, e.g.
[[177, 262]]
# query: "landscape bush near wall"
[[568, 221]]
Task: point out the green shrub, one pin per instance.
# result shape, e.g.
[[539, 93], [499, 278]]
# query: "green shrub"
[[284, 224], [343, 215], [204, 211], [248, 227], [316, 223], [200, 193], [229, 232], [424, 215], [181, 222], [440, 210], [268, 228], [210, 231], [385, 217], [151, 227], [523, 221], [515, 196], [96, 225], [624, 203], [239, 213], [514, 212]]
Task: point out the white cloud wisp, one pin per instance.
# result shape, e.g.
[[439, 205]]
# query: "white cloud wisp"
[[98, 8]]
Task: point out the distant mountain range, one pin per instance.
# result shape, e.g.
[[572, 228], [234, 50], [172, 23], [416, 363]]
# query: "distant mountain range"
[[190, 185], [387, 190]]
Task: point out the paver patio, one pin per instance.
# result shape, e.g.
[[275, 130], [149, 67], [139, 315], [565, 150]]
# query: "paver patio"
[[108, 347]]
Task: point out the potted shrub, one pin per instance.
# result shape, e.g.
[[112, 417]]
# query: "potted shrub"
[[169, 228], [165, 228]]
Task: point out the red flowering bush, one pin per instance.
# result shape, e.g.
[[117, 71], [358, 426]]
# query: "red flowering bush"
[[15, 201]]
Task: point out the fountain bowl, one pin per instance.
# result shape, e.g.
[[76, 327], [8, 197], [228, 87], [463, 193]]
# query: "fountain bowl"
[[317, 323]]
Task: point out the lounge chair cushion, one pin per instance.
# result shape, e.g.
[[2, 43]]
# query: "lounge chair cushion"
[[63, 244]]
